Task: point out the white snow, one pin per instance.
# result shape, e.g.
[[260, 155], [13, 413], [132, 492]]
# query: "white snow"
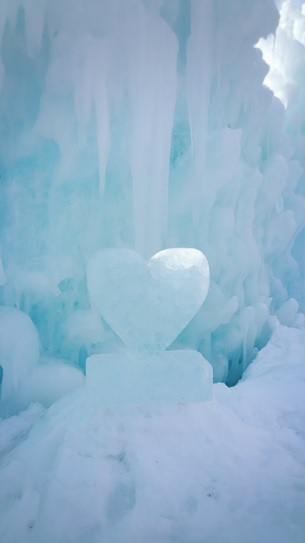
[[231, 470]]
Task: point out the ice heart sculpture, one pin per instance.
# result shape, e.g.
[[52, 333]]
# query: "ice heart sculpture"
[[148, 303]]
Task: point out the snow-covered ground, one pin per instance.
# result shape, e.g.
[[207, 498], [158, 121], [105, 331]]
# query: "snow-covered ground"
[[231, 470]]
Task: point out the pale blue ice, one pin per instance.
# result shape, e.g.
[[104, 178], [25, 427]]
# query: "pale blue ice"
[[128, 129]]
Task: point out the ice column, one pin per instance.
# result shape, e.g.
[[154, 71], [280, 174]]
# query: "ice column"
[[199, 77], [152, 60]]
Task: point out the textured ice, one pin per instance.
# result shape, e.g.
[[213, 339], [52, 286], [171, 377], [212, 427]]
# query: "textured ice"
[[148, 303], [131, 378], [146, 125]]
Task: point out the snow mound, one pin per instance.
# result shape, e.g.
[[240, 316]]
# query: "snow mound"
[[228, 471]]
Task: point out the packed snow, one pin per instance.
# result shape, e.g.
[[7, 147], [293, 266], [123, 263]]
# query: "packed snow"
[[230, 470]]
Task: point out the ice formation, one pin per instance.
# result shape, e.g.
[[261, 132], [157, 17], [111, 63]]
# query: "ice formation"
[[285, 56], [145, 125], [19, 351], [147, 304], [132, 378], [27, 378]]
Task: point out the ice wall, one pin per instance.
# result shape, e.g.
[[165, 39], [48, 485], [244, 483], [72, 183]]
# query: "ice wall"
[[285, 55], [145, 124]]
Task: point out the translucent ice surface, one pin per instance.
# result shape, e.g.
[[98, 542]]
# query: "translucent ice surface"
[[147, 304], [129, 378]]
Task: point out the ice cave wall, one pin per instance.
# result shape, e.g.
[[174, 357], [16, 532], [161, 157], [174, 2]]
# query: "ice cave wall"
[[146, 124]]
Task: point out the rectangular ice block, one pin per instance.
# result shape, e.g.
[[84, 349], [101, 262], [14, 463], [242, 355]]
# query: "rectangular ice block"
[[133, 378]]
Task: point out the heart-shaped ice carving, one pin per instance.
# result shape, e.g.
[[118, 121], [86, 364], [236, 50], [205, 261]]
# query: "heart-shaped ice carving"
[[147, 304]]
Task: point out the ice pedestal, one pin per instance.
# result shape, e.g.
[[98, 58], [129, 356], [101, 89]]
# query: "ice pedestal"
[[141, 378], [147, 304]]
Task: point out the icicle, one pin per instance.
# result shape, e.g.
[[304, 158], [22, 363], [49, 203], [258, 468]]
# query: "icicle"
[[91, 91], [2, 272], [34, 20], [83, 92], [102, 115], [152, 91], [199, 74]]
